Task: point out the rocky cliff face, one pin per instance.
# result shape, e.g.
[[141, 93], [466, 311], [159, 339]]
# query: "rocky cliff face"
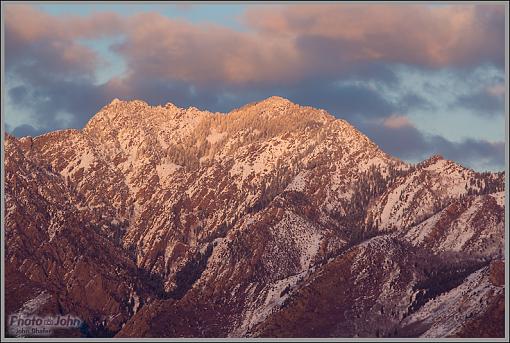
[[272, 220]]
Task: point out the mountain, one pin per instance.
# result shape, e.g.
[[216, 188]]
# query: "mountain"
[[273, 220]]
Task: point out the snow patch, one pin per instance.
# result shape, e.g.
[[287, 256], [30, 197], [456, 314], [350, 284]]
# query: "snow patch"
[[298, 183], [446, 313], [500, 198], [166, 169], [275, 296], [216, 137], [33, 305]]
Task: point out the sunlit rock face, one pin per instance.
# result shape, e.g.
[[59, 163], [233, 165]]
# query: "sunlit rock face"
[[273, 220]]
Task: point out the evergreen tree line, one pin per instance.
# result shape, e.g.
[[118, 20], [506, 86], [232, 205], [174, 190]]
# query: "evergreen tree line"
[[369, 185], [486, 183], [250, 126]]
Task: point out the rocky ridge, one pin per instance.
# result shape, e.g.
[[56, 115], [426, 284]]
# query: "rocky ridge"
[[272, 220]]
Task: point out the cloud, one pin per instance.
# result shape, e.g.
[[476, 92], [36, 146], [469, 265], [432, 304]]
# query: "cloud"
[[353, 101], [396, 122], [18, 94], [286, 44], [157, 46], [35, 38], [30, 24], [25, 130], [413, 34], [497, 90], [475, 153], [487, 102], [412, 101], [55, 103], [328, 56], [399, 137], [50, 74]]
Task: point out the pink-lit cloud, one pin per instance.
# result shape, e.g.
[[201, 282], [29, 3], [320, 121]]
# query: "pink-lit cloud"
[[34, 36], [497, 90], [290, 43], [204, 53], [403, 33], [302, 51], [285, 44], [30, 24], [396, 121]]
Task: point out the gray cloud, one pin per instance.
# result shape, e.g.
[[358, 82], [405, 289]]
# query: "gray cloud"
[[409, 143], [412, 101], [25, 130], [347, 101], [482, 103], [218, 69]]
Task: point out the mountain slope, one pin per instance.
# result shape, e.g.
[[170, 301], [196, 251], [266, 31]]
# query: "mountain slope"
[[235, 224], [56, 251]]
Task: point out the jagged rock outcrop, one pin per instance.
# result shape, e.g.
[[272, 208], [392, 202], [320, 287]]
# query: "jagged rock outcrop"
[[272, 220]]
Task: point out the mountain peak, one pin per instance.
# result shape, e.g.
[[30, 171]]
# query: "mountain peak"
[[434, 159], [436, 162], [161, 189], [133, 102], [279, 108], [276, 101]]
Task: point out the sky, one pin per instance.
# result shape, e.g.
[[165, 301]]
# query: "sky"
[[417, 79]]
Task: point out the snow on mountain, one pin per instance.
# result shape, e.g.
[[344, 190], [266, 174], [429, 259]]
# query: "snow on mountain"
[[427, 188], [445, 315], [273, 219], [474, 224]]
